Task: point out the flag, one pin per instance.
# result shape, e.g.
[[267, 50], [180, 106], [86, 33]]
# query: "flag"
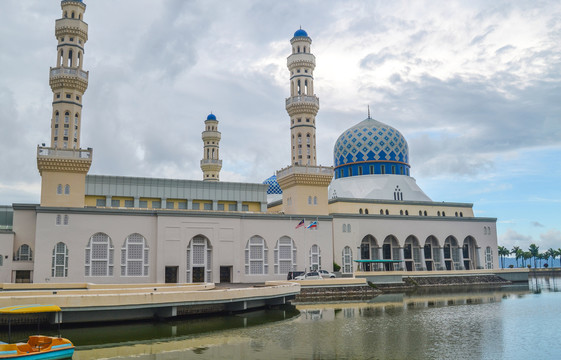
[[300, 224], [313, 225]]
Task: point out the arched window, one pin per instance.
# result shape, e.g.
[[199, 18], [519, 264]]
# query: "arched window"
[[58, 219], [344, 227], [400, 212], [425, 213], [78, 64], [285, 255], [360, 211], [256, 256], [381, 212], [438, 213], [1, 259], [66, 117], [347, 260], [488, 258], [70, 55], [76, 116], [315, 200], [24, 253], [443, 213], [66, 189], [461, 214], [56, 117], [420, 213], [65, 222], [348, 227], [456, 213], [134, 256], [387, 212], [199, 260], [99, 256], [59, 189], [299, 138], [59, 265], [315, 257], [72, 14], [309, 200], [366, 211], [406, 212]]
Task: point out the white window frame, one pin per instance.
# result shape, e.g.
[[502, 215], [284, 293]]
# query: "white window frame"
[[58, 254], [128, 257], [285, 255], [99, 239], [256, 256]]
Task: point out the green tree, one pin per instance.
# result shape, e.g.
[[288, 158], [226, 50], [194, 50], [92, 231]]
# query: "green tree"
[[534, 250], [517, 252], [558, 252], [503, 251]]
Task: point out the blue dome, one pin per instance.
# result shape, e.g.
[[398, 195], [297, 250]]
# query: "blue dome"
[[274, 187], [211, 116], [369, 148], [300, 32]]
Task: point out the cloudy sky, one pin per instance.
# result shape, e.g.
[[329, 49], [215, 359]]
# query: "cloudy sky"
[[475, 87]]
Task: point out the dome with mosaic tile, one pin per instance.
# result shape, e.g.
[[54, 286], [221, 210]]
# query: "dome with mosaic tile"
[[274, 187], [370, 148]]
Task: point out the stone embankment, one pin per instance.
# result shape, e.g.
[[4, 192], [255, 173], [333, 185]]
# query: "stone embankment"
[[337, 293]]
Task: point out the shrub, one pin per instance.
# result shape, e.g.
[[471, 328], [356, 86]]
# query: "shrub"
[[336, 267]]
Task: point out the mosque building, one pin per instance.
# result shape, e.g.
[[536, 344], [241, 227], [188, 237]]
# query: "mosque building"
[[116, 229]]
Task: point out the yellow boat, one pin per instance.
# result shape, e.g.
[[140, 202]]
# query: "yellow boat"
[[37, 346]]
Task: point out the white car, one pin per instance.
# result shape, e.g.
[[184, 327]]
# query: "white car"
[[326, 274], [313, 275]]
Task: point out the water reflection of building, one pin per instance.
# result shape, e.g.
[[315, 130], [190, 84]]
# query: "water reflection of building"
[[113, 229]]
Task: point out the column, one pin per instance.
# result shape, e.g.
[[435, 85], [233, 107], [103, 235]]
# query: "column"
[[401, 257], [422, 258], [442, 265], [461, 258], [477, 260]]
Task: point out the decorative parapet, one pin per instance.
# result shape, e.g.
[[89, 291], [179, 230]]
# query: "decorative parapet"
[[305, 175], [300, 59], [211, 163], [68, 77], [69, 26], [68, 160], [303, 99]]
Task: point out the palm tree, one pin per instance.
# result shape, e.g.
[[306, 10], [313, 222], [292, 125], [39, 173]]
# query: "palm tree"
[[503, 251], [558, 252], [553, 255], [517, 252], [534, 250], [526, 255]]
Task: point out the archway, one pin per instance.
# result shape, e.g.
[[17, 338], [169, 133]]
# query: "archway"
[[199, 255], [452, 254], [369, 250], [433, 259], [390, 251], [412, 254], [470, 255]]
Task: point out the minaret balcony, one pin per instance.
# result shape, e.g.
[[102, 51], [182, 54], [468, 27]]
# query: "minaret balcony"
[[211, 162], [302, 104], [64, 160], [63, 77], [301, 59], [69, 26], [64, 153], [211, 135]]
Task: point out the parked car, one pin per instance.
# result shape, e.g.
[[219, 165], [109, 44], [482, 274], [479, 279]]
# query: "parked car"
[[293, 274], [312, 275], [326, 274]]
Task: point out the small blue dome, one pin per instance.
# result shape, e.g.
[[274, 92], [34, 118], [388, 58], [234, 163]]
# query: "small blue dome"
[[300, 32], [274, 187], [211, 116]]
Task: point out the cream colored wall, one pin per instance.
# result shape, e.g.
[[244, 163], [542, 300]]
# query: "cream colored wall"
[[298, 203], [76, 236], [6, 252], [432, 209], [49, 182], [421, 228]]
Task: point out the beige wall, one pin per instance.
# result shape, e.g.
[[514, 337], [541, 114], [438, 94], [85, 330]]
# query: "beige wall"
[[296, 200], [6, 252], [51, 180], [393, 208]]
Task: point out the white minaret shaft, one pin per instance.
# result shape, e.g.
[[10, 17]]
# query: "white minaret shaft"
[[211, 163], [302, 105]]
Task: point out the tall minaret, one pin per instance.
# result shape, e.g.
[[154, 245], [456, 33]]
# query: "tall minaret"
[[303, 183], [63, 165], [302, 105], [211, 163]]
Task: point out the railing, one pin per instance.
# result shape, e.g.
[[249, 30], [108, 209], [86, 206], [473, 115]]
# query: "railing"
[[300, 57], [211, 161], [302, 99], [69, 71], [298, 169], [64, 153]]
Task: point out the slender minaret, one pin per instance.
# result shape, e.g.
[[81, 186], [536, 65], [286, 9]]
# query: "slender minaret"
[[211, 163], [302, 105], [303, 183], [63, 165]]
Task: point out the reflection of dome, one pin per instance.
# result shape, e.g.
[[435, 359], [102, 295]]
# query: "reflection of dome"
[[274, 187], [211, 116], [371, 147], [300, 32]]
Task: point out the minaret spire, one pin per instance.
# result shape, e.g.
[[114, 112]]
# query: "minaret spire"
[[369, 112], [211, 163]]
